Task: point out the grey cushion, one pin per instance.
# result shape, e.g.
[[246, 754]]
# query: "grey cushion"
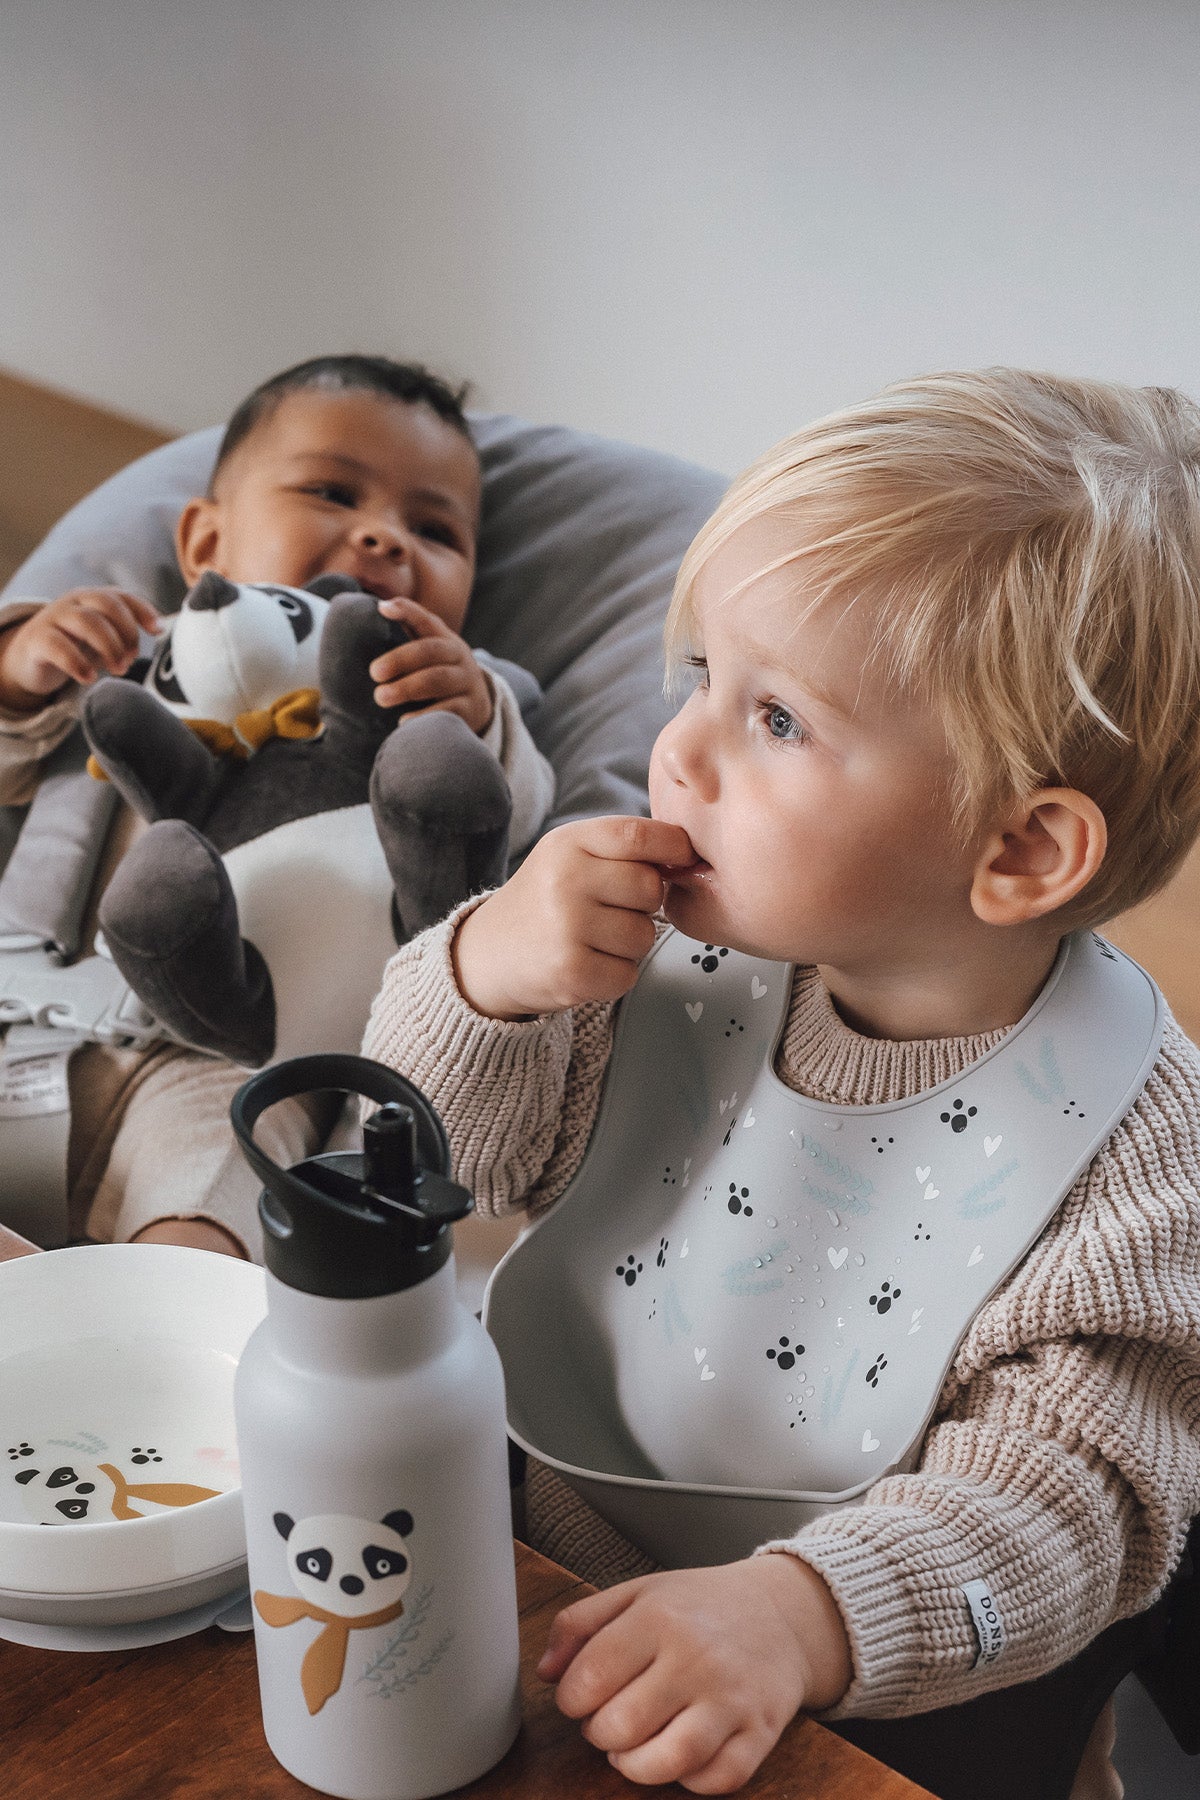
[[581, 540]]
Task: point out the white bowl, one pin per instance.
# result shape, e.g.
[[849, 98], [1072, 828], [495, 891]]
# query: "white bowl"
[[116, 1431]]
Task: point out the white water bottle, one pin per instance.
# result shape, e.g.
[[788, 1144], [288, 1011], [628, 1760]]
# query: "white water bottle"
[[371, 1436]]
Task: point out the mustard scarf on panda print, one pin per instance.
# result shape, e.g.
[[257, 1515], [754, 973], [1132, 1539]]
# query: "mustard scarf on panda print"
[[325, 1658]]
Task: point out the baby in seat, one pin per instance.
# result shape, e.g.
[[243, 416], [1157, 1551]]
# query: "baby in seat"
[[347, 464], [947, 649]]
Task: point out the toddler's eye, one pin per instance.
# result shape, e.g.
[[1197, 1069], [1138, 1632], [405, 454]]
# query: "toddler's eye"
[[336, 492], [700, 665], [782, 725], [440, 534]]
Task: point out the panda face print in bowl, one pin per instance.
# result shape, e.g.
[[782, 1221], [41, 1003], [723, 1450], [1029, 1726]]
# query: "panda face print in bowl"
[[119, 1488]]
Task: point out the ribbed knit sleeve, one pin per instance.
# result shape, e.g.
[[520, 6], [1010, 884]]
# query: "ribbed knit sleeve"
[[1064, 1459], [517, 1099]]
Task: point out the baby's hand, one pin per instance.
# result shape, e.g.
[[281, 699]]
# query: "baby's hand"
[[573, 923], [82, 634], [436, 670], [191, 1234], [691, 1675]]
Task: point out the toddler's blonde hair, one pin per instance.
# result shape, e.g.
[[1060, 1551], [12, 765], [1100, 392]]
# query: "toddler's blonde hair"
[[1030, 547]]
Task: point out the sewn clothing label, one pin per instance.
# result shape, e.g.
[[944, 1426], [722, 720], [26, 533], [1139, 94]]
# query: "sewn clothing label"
[[34, 1085], [985, 1616]]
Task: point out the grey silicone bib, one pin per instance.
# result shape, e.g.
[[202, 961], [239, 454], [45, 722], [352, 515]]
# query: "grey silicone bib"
[[742, 1310]]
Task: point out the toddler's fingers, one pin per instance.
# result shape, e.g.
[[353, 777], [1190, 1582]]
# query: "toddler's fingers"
[[411, 612], [99, 637], [640, 1709], [634, 839], [135, 614], [441, 682], [630, 886], [574, 1625], [415, 653], [596, 975], [125, 612], [74, 656], [620, 932], [699, 1750]]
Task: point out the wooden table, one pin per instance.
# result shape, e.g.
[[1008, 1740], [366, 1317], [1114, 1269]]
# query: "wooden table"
[[182, 1720]]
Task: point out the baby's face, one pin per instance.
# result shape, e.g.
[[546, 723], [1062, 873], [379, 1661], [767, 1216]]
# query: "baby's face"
[[355, 483], [815, 799]]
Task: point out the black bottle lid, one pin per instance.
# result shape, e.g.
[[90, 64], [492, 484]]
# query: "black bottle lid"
[[353, 1225]]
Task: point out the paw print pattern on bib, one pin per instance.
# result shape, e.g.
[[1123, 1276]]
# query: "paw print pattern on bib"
[[825, 1262]]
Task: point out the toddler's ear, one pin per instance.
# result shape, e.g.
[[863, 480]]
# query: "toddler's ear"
[[198, 538], [1038, 858]]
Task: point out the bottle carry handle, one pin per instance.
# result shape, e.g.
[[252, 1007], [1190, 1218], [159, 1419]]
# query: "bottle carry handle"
[[349, 1225], [349, 1074]]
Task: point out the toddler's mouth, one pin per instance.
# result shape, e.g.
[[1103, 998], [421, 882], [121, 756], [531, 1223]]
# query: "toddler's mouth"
[[689, 874], [381, 590]]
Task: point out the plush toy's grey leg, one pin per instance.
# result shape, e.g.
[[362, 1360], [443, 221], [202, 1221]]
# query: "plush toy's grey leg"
[[157, 765], [170, 919], [442, 807]]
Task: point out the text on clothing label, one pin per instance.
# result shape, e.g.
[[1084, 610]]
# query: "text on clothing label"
[[989, 1627]]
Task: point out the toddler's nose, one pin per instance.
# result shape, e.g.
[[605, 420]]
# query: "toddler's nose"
[[379, 538], [683, 754]]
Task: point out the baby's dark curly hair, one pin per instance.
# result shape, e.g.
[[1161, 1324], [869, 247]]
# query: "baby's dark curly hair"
[[410, 382]]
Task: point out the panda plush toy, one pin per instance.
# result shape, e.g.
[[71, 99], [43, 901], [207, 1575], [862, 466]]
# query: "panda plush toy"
[[232, 651], [287, 851]]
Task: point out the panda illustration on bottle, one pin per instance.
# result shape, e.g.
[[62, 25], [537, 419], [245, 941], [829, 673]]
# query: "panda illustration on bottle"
[[350, 1574]]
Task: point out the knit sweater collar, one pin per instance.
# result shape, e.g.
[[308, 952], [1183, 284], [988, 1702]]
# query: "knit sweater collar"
[[821, 1056]]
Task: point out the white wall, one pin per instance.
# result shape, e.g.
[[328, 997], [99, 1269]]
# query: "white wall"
[[694, 223]]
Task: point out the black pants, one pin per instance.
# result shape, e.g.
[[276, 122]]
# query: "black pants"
[[1025, 1741]]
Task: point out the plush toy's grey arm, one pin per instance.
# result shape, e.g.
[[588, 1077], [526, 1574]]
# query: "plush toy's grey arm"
[[152, 759], [170, 920]]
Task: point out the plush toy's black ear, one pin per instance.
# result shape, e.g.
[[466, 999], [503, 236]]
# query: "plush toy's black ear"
[[326, 586], [211, 593], [400, 1522], [284, 1524], [29, 1474]]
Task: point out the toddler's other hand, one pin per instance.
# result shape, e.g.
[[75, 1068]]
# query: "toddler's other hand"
[[573, 923], [691, 1675], [82, 634], [436, 670]]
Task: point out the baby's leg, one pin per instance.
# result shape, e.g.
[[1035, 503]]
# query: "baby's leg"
[[165, 1149]]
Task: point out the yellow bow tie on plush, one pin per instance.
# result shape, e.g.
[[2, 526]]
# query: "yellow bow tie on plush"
[[294, 715]]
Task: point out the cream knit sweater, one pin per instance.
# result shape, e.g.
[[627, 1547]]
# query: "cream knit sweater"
[[1062, 1464]]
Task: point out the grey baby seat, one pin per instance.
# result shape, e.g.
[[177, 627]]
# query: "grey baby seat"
[[580, 542]]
